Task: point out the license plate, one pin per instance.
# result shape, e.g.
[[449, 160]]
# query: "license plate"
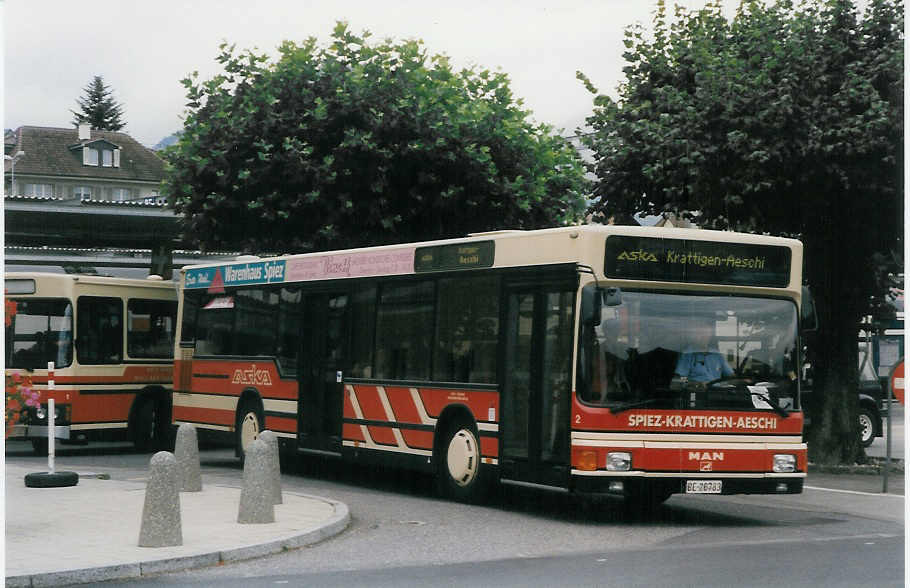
[[703, 486]]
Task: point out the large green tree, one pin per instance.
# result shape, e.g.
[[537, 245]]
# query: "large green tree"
[[785, 120], [357, 143], [98, 108]]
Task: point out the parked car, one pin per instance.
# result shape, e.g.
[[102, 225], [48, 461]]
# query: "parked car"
[[872, 405]]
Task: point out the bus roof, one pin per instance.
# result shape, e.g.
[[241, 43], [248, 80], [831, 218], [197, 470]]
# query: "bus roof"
[[583, 244]]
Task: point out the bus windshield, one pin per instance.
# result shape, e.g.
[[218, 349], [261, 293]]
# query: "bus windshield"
[[684, 351], [38, 332]]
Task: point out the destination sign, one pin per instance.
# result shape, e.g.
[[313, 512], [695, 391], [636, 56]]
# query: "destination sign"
[[216, 278], [692, 261], [454, 257]]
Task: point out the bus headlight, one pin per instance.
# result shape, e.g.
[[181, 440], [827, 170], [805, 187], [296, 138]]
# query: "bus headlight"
[[784, 462], [41, 413], [619, 461]]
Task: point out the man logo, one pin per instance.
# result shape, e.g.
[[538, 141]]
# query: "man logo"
[[706, 456], [637, 256]]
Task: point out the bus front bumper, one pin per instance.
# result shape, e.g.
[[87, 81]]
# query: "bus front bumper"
[[633, 483], [39, 431]]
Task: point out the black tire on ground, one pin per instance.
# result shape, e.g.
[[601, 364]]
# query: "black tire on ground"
[[51, 480], [250, 422], [39, 446], [460, 475], [866, 426]]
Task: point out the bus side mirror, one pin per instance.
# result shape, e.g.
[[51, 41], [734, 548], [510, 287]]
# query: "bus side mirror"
[[612, 297], [808, 319]]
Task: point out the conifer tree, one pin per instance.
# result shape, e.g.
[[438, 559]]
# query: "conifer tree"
[[98, 108]]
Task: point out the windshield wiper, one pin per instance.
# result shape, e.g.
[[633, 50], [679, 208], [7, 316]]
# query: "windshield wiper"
[[628, 405], [766, 396]]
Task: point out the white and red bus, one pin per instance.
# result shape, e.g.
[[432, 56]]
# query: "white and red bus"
[[547, 357], [107, 344]]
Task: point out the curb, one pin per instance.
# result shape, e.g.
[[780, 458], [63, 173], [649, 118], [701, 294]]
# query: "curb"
[[131, 571], [875, 467]]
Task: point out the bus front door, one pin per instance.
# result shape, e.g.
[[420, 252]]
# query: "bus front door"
[[324, 337], [536, 392]]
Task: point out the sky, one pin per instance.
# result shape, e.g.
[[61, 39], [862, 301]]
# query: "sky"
[[142, 48]]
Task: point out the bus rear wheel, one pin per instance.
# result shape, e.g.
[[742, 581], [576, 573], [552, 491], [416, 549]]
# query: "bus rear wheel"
[[459, 474], [250, 422], [40, 446], [146, 427]]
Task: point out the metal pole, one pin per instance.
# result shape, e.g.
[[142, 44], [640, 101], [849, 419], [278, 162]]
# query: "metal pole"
[[51, 421], [888, 437], [50, 435], [888, 433]]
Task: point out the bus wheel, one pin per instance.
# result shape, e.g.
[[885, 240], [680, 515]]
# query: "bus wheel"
[[39, 446], [145, 428], [866, 426], [249, 425], [459, 474]]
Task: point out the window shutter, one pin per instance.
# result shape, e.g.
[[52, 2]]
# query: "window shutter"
[[116, 157], [85, 156]]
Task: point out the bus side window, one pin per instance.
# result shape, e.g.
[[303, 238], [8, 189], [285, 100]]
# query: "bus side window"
[[99, 330], [150, 328]]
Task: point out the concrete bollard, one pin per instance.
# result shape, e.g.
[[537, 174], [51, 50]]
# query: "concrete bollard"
[[274, 463], [161, 512], [256, 504], [187, 453]]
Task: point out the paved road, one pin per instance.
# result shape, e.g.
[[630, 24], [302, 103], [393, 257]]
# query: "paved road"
[[401, 534]]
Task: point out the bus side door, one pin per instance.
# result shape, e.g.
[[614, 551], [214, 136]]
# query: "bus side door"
[[322, 361], [536, 393]]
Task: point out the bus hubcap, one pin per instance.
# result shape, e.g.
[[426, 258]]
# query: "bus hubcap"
[[462, 457]]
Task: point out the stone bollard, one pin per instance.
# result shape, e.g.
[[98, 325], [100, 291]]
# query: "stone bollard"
[[255, 498], [271, 439], [187, 452], [161, 513]]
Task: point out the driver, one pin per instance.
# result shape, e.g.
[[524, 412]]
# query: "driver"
[[699, 362]]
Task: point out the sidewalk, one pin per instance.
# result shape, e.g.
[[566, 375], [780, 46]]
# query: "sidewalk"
[[89, 532]]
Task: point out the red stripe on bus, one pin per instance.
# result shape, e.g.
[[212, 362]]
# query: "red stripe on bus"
[[418, 439], [370, 404], [352, 433], [283, 424], [145, 374], [478, 401], [701, 459], [383, 435], [210, 416], [756, 423], [489, 447], [348, 410], [403, 405]]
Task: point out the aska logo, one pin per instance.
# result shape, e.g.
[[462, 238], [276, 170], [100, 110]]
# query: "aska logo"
[[637, 256], [252, 376]]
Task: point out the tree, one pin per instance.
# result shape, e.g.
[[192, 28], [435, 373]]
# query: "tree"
[[98, 107], [357, 144], [786, 120]]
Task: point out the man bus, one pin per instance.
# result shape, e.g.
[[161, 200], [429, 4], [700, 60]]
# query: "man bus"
[[107, 344], [541, 358]]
